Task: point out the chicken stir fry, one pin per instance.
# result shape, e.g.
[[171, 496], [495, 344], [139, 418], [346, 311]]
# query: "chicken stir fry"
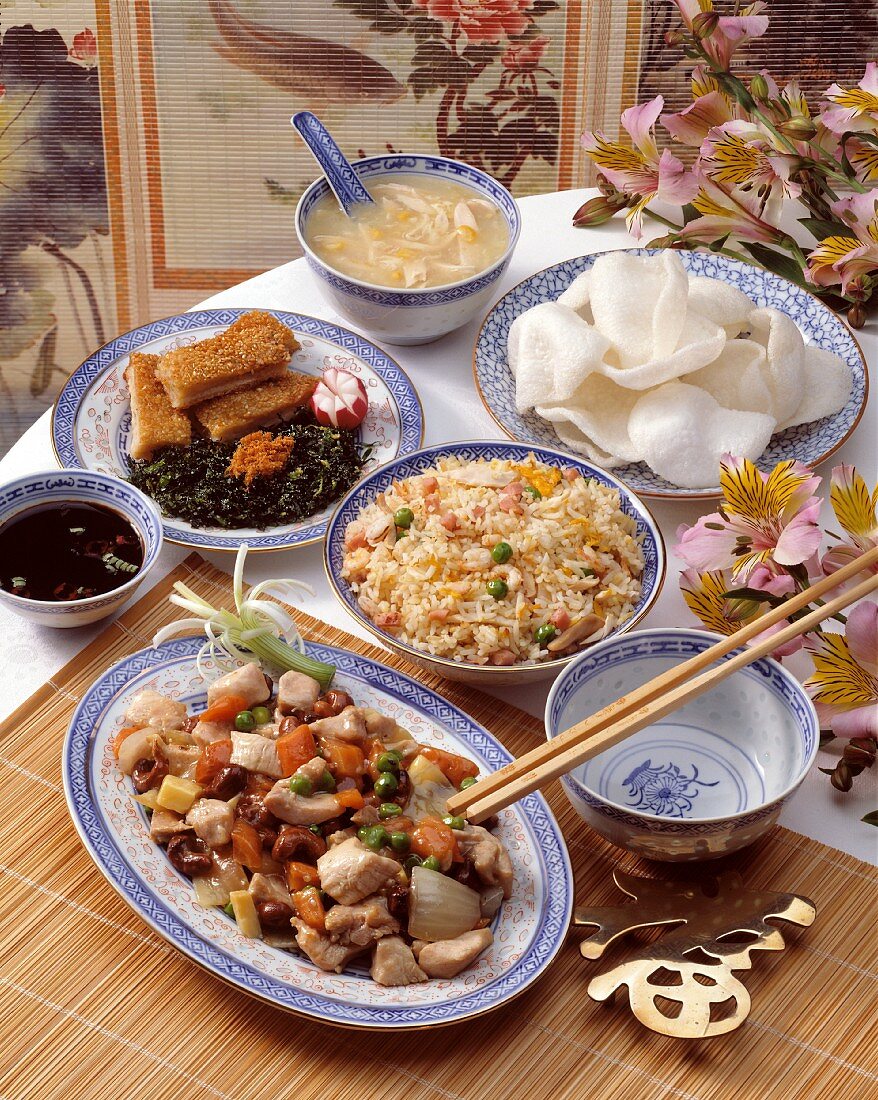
[[318, 825]]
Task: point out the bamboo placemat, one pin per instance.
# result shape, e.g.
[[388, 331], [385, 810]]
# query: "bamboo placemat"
[[96, 1005]]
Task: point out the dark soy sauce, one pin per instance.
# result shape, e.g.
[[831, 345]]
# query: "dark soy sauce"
[[67, 550]]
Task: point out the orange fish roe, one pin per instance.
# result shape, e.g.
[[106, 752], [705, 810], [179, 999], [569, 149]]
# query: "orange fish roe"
[[260, 454]]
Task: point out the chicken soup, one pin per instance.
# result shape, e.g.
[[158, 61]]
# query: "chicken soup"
[[419, 232]]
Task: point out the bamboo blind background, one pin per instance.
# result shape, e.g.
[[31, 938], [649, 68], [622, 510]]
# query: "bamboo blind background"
[[96, 1005]]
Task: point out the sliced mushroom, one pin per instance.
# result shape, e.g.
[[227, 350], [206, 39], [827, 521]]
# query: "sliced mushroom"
[[577, 632]]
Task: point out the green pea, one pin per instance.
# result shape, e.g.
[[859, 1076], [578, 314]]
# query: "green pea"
[[412, 862], [376, 837], [315, 829], [262, 715], [501, 553], [533, 492], [389, 809], [301, 785], [363, 832], [387, 762], [497, 588], [544, 634], [401, 533], [229, 909], [467, 781], [589, 573], [432, 864], [386, 785], [244, 721], [454, 821], [400, 842], [327, 782], [403, 517]]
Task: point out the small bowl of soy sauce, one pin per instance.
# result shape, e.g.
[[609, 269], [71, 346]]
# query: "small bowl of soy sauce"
[[74, 545]]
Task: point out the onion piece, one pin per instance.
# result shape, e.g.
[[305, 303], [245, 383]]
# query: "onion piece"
[[440, 908], [137, 746]]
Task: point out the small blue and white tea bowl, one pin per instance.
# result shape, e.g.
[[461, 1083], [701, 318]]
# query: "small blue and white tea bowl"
[[701, 782], [82, 486], [411, 316]]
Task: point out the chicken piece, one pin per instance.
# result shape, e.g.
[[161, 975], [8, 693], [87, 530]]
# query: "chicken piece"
[[350, 725], [349, 872], [379, 725], [314, 769], [296, 691], [212, 819], [339, 837], [322, 951], [446, 958], [182, 760], [360, 924], [155, 422], [269, 888], [394, 964], [206, 732], [253, 349], [164, 824], [488, 856], [367, 816], [295, 809], [151, 708], [256, 753], [247, 682]]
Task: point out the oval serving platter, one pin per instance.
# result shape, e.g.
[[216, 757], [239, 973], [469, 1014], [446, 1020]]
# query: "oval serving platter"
[[809, 443], [91, 419], [528, 931]]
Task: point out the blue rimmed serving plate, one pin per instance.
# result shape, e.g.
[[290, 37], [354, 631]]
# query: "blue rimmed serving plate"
[[91, 419], [529, 930], [809, 443]]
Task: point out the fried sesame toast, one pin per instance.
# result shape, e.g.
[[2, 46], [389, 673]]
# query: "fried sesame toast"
[[237, 414], [154, 420]]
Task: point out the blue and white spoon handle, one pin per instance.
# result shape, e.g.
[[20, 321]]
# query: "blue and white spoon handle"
[[340, 173]]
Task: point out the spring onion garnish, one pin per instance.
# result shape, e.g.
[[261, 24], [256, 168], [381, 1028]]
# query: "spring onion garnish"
[[117, 565], [259, 629]]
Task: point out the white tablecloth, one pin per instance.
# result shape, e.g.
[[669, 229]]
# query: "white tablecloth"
[[442, 373]]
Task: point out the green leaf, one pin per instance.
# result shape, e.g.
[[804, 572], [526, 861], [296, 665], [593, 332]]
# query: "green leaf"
[[871, 818], [778, 262], [689, 213], [753, 594], [45, 366], [819, 228]]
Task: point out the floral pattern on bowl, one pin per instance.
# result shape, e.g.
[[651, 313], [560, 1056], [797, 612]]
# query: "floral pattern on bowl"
[[809, 443]]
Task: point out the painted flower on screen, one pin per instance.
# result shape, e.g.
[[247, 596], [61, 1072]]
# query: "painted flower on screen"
[[525, 55], [482, 20], [85, 48]]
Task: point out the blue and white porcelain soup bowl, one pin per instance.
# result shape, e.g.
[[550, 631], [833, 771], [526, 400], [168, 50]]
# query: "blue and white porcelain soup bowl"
[[413, 316], [701, 782], [85, 487]]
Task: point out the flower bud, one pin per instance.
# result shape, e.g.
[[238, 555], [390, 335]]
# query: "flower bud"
[[856, 316], [798, 128], [597, 211], [606, 188], [841, 777], [859, 289], [704, 24], [674, 38], [759, 87], [858, 758]]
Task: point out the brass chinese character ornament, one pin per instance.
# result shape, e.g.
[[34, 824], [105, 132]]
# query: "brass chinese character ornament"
[[682, 984]]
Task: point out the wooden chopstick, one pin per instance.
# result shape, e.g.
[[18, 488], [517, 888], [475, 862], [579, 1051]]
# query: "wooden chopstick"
[[666, 693], [460, 802]]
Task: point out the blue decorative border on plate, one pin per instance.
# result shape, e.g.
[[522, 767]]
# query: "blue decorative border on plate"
[[365, 491], [809, 443], [534, 815], [411, 415], [680, 644]]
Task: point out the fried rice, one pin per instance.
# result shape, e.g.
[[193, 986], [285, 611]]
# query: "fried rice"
[[425, 577]]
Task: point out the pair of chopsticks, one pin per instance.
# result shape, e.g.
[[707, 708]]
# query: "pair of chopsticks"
[[663, 695]]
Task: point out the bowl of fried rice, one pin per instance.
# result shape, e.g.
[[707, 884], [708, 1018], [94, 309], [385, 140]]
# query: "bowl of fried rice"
[[493, 562]]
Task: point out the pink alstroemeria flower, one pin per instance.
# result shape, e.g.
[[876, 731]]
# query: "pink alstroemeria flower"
[[641, 171], [841, 258], [853, 108], [844, 686], [762, 517], [856, 510], [739, 154], [723, 213], [731, 31], [692, 125], [705, 597]]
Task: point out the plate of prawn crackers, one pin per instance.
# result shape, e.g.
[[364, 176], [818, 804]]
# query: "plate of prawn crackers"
[[653, 363], [245, 426]]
